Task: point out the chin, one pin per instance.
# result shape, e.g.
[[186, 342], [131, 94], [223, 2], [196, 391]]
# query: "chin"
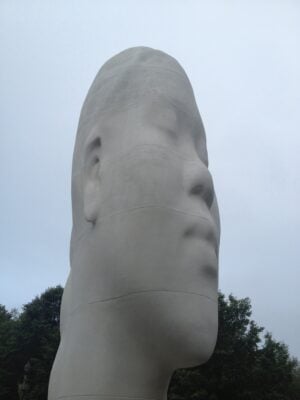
[[197, 349], [177, 329], [195, 335]]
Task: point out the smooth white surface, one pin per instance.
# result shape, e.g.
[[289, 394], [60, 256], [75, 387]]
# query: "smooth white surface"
[[141, 297]]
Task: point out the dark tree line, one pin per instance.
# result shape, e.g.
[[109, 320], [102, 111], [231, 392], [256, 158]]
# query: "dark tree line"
[[246, 365], [28, 344]]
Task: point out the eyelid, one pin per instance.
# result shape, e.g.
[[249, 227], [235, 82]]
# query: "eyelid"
[[203, 187], [172, 133], [207, 193]]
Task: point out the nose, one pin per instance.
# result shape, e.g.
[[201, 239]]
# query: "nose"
[[200, 183]]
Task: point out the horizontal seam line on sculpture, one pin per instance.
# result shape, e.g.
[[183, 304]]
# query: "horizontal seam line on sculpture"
[[128, 210], [143, 67], [106, 395], [144, 147], [143, 292], [151, 291], [124, 154], [129, 105], [106, 79], [155, 206]]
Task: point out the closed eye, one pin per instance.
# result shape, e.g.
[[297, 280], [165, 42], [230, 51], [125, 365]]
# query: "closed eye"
[[203, 188], [206, 192]]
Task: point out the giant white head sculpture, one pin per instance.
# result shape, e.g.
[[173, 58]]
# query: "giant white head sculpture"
[[141, 298]]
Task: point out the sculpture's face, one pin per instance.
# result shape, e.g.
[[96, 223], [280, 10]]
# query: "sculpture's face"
[[153, 242]]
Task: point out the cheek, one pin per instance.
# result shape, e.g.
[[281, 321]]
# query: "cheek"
[[145, 177], [144, 251]]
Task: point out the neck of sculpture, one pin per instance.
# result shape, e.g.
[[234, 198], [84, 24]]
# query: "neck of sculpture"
[[131, 374], [110, 354]]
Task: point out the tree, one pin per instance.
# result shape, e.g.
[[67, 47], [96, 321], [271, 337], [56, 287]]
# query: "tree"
[[28, 346], [7, 352], [295, 389], [276, 370], [245, 365], [39, 340], [242, 366]]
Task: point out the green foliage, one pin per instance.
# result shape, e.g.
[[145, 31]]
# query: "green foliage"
[[7, 349], [295, 389], [28, 346], [244, 366], [39, 334]]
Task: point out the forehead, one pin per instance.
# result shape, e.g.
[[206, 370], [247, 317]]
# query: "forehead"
[[156, 122], [124, 87], [142, 101]]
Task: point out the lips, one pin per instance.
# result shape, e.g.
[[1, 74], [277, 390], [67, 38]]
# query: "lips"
[[204, 230], [202, 244]]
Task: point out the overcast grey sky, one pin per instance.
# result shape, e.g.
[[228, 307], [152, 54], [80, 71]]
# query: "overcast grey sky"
[[242, 58]]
